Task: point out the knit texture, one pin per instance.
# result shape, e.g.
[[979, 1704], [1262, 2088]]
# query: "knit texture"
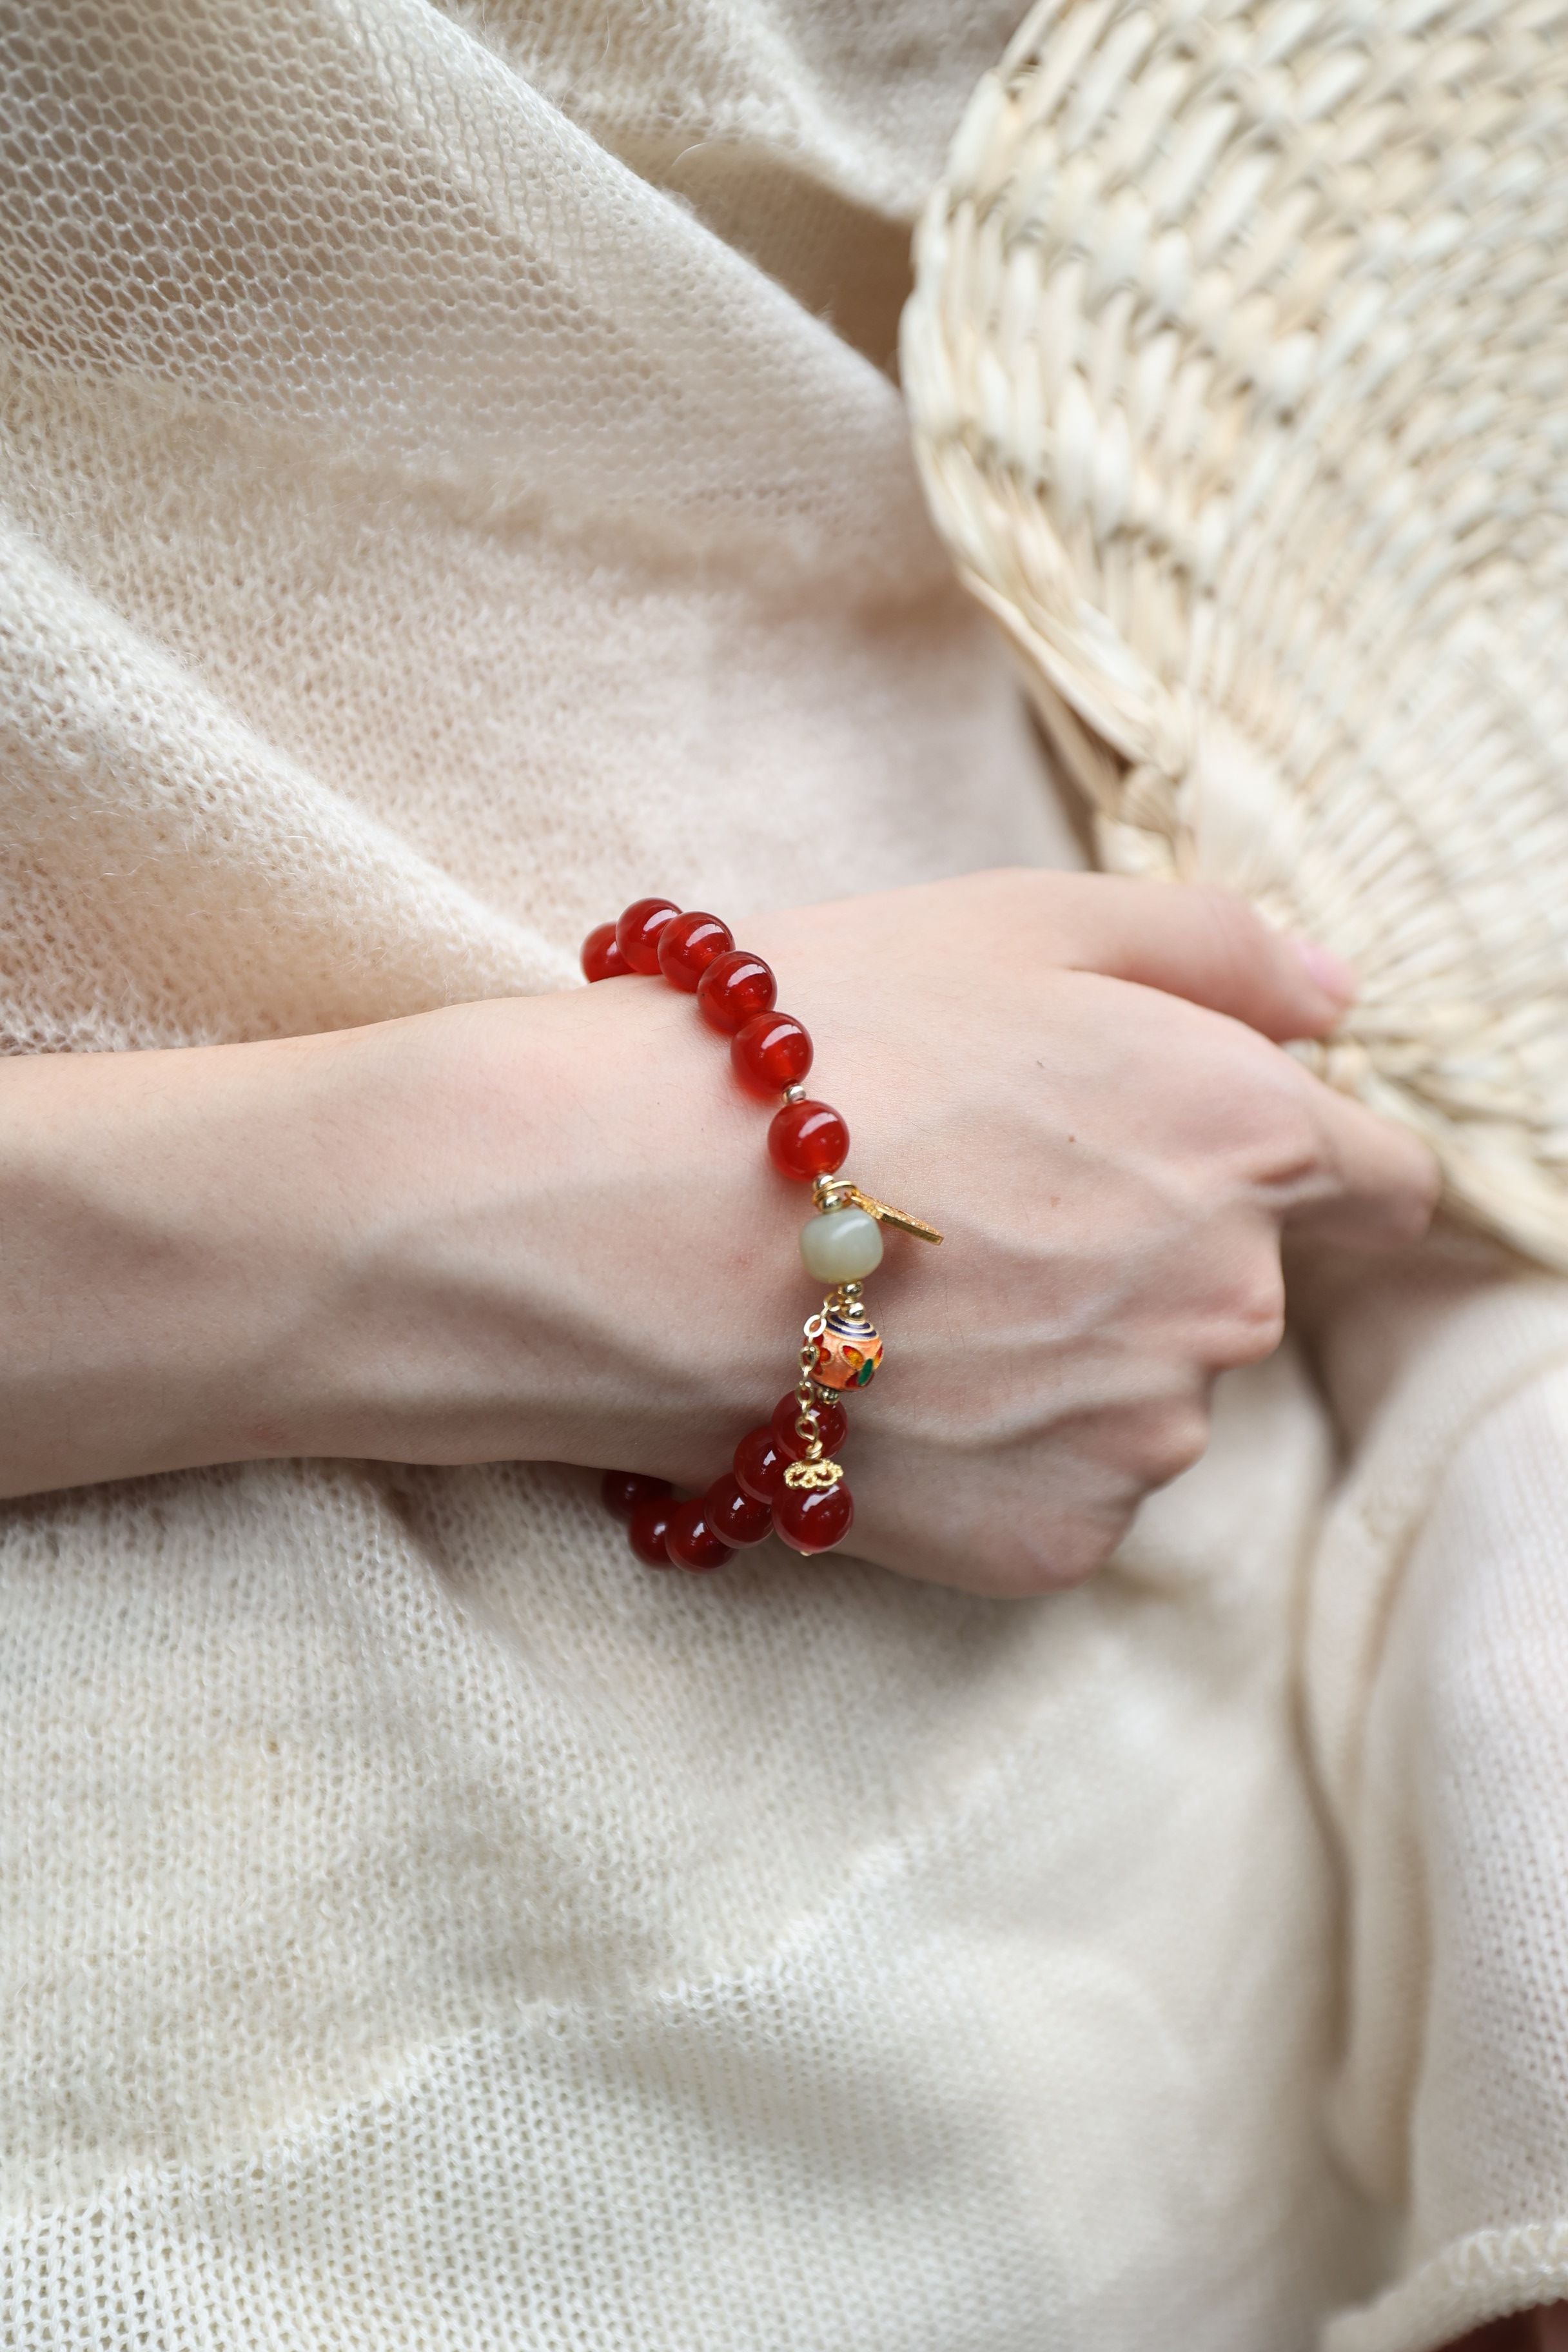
[[451, 485]]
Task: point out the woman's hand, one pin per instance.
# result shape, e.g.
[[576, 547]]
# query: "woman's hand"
[[546, 1228], [1112, 1166]]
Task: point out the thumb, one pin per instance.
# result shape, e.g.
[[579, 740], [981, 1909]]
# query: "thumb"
[[1208, 946]]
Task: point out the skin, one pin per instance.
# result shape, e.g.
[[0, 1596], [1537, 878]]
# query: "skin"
[[546, 1228]]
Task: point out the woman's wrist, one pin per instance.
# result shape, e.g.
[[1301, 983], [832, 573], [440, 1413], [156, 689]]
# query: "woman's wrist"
[[783, 1478], [561, 1206]]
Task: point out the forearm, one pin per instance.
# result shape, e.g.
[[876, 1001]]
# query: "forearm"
[[226, 1253], [156, 1215]]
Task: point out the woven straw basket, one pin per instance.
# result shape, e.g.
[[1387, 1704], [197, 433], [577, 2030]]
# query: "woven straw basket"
[[1237, 362]]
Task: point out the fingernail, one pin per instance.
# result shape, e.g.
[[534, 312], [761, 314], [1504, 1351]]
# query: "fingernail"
[[1331, 971]]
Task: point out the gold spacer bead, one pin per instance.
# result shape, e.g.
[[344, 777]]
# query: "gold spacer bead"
[[814, 1476]]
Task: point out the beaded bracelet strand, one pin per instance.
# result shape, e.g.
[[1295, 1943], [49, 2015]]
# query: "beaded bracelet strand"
[[785, 1479]]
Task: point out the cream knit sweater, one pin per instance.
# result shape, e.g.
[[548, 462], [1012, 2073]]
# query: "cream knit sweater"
[[449, 485]]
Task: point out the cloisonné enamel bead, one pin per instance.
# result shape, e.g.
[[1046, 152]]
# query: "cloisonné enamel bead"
[[847, 1353]]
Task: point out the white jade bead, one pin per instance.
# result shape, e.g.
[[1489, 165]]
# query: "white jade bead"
[[841, 1246]]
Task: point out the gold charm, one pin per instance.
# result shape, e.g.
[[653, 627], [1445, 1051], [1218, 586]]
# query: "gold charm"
[[843, 1190], [814, 1476]]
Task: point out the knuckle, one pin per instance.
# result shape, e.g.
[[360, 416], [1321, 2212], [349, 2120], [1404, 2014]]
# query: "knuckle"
[[1291, 1159], [1167, 1439], [1394, 1221], [1255, 1320]]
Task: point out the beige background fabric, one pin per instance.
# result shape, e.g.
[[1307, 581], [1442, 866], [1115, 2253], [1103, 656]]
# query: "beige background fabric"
[[449, 487]]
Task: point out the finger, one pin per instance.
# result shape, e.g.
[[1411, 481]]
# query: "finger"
[[1208, 946], [1375, 1184]]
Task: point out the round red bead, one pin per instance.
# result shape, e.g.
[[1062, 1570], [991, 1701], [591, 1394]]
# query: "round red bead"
[[811, 1518], [623, 1490], [650, 1524], [602, 957], [736, 1515], [807, 1140], [688, 945], [734, 988], [831, 1420], [691, 1539], [771, 1052], [760, 1464], [636, 932]]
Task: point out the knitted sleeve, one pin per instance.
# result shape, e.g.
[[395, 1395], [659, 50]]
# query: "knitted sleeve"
[[1440, 1691]]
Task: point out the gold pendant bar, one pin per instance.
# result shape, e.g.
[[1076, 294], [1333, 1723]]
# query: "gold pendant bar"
[[889, 1216]]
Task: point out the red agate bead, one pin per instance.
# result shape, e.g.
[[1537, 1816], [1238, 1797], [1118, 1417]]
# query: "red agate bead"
[[760, 1464], [601, 958], [736, 1515], [831, 1420], [771, 1052], [734, 989], [807, 1140], [636, 932], [688, 945], [650, 1525], [623, 1490], [812, 1519], [692, 1540]]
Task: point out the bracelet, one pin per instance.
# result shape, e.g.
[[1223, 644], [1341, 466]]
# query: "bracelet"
[[783, 1479]]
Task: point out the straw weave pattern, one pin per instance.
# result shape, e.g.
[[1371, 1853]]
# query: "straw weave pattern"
[[1236, 362]]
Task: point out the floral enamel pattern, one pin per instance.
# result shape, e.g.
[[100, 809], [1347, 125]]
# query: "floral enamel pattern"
[[847, 1353]]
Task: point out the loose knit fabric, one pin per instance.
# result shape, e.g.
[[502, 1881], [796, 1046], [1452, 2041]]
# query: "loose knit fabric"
[[1435, 1632], [450, 485]]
